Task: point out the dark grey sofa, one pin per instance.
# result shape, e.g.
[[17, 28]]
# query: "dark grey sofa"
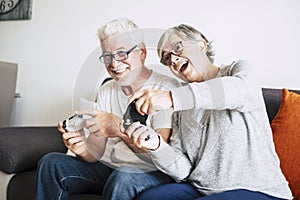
[[22, 147]]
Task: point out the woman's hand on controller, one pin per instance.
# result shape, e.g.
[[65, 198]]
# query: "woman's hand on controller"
[[149, 100]]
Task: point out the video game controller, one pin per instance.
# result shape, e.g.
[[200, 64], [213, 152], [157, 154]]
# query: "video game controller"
[[132, 115], [75, 123]]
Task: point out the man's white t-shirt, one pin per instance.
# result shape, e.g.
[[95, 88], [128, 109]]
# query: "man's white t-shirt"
[[112, 99]]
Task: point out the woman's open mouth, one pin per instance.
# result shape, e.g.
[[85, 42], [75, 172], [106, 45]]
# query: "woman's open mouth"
[[184, 66]]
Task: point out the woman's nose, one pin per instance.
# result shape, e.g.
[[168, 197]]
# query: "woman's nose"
[[174, 59]]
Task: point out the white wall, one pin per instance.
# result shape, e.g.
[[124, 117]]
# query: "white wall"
[[54, 46]]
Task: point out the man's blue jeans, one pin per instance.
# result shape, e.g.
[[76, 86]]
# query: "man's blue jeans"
[[60, 175]]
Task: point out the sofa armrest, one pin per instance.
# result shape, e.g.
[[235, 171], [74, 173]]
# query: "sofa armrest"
[[22, 147]]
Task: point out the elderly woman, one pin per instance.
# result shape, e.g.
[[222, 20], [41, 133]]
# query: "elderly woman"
[[221, 145]]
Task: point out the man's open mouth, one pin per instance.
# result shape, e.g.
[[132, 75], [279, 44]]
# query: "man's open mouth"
[[119, 71]]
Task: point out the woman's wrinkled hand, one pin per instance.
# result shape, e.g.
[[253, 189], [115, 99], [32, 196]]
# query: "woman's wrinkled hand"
[[149, 101]]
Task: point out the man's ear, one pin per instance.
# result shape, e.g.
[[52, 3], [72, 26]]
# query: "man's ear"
[[143, 51]]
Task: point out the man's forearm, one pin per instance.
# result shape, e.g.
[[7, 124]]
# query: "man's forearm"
[[95, 147]]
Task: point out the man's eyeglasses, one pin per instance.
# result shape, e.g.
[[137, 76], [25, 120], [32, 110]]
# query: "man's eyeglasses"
[[177, 50], [107, 58]]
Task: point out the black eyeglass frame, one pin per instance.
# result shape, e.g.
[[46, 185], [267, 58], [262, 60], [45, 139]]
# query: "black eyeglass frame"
[[172, 52], [113, 56]]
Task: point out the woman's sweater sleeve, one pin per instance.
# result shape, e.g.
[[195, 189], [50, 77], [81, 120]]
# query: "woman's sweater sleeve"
[[235, 89], [169, 158]]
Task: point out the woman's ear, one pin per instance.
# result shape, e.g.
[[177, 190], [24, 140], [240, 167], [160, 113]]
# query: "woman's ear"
[[202, 44]]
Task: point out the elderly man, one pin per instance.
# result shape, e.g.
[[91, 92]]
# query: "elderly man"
[[123, 171]]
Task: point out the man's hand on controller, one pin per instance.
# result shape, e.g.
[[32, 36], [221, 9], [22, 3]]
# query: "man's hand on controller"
[[103, 123], [74, 141], [143, 136]]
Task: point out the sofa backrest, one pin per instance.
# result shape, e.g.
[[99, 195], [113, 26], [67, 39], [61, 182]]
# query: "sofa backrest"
[[272, 99]]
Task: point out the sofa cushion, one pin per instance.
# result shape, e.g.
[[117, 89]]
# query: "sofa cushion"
[[22, 147], [19, 187], [286, 133]]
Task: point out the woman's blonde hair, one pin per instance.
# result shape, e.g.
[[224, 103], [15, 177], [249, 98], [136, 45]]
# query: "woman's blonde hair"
[[187, 33]]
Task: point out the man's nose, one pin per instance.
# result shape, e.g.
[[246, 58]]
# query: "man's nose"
[[114, 64]]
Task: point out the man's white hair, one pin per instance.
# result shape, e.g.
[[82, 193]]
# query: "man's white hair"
[[119, 26]]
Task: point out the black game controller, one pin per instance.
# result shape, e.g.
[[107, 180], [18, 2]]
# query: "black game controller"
[[132, 115]]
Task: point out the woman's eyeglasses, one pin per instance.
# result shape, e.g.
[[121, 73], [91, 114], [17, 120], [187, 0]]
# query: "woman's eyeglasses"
[[177, 50]]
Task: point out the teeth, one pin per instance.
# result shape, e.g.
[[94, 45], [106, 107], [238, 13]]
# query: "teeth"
[[182, 65], [120, 70]]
